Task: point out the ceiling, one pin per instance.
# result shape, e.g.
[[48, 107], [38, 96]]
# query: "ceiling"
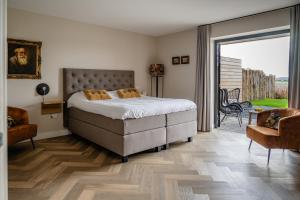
[[150, 17]]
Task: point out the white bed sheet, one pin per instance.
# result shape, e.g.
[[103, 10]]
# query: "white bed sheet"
[[117, 108]]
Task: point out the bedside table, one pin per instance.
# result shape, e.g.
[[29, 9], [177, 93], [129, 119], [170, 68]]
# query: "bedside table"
[[51, 106]]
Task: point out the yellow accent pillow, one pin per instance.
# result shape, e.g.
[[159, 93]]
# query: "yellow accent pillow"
[[91, 94], [128, 93]]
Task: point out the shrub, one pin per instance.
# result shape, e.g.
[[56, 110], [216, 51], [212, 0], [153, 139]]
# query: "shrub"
[[281, 93]]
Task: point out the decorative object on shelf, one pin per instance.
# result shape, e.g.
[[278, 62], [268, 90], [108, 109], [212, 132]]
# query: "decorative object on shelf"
[[157, 71], [185, 59], [24, 59], [176, 60], [42, 89]]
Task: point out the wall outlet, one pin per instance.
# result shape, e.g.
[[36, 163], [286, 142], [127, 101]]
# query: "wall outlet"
[[53, 116]]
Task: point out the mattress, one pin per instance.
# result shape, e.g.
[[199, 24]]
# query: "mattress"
[[117, 126], [133, 108]]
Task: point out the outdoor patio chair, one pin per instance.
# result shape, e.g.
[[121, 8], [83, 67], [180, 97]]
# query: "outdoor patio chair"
[[229, 109], [233, 96]]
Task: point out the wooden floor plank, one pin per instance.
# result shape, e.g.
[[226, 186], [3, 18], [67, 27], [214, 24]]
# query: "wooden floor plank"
[[214, 166]]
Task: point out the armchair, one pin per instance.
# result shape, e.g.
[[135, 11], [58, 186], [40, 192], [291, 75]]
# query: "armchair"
[[22, 130], [286, 137]]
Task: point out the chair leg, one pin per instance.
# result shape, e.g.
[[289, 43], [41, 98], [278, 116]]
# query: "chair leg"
[[223, 118], [269, 154], [239, 120], [250, 145], [32, 143]]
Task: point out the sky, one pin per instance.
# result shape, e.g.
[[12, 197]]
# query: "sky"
[[270, 55]]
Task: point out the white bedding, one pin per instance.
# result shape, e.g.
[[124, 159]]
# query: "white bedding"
[[117, 108]]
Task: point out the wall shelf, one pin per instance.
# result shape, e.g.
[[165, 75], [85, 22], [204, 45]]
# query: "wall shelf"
[[51, 106]]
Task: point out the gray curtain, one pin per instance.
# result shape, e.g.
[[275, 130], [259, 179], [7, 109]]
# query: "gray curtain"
[[203, 93], [294, 63]]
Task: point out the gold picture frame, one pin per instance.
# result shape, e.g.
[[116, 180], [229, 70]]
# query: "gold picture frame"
[[24, 59]]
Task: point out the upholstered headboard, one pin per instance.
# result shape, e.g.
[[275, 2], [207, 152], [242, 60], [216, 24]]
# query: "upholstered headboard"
[[75, 80]]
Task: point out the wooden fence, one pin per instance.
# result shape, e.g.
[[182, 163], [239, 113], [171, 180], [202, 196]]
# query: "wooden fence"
[[257, 85], [231, 73], [254, 84]]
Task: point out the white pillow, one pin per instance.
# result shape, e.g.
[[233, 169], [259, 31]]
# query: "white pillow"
[[113, 94]]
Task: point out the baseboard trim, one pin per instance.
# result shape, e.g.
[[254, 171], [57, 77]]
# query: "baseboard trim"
[[52, 134]]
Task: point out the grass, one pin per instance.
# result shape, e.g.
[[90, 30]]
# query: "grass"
[[278, 103]]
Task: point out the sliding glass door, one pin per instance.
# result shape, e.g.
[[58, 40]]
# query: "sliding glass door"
[[252, 68]]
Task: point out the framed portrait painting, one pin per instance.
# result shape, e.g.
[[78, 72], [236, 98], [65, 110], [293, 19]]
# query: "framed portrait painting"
[[24, 59]]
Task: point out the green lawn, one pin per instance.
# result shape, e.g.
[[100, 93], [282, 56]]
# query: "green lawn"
[[278, 103]]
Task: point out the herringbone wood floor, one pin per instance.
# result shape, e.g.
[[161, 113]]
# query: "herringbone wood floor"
[[214, 166]]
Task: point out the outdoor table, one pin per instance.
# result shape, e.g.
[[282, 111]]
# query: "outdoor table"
[[252, 112]]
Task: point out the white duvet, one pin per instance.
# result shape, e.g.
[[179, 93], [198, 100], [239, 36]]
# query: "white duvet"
[[117, 108]]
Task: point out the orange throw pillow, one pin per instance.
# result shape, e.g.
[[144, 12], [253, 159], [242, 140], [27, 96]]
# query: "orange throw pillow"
[[128, 93], [91, 94]]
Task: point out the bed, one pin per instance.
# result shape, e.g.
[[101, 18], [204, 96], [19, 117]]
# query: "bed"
[[122, 136]]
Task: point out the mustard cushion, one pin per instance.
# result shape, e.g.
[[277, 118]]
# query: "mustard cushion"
[[91, 94], [128, 93]]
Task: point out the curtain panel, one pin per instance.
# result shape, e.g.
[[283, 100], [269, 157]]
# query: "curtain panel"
[[203, 81], [294, 58]]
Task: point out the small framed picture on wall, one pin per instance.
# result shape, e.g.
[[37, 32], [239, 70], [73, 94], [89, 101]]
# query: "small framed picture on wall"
[[176, 60], [185, 59]]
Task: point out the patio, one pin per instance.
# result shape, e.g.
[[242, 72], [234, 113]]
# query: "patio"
[[230, 124]]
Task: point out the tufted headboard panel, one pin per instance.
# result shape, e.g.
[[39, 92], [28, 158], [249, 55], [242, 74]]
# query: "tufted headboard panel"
[[75, 80]]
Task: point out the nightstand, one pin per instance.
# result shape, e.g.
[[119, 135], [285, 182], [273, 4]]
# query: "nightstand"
[[51, 106]]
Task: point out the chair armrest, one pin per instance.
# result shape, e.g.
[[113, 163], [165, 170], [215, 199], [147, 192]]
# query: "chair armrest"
[[235, 106], [290, 126], [263, 116], [20, 115]]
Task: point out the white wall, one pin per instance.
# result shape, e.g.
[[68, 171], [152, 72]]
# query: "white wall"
[[72, 44], [180, 79]]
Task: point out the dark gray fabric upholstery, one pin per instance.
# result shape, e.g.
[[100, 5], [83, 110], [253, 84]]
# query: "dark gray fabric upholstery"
[[181, 131], [120, 144], [121, 127], [181, 117], [75, 80]]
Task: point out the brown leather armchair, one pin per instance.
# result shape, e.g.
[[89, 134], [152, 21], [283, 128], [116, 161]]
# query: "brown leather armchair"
[[22, 130], [286, 137]]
